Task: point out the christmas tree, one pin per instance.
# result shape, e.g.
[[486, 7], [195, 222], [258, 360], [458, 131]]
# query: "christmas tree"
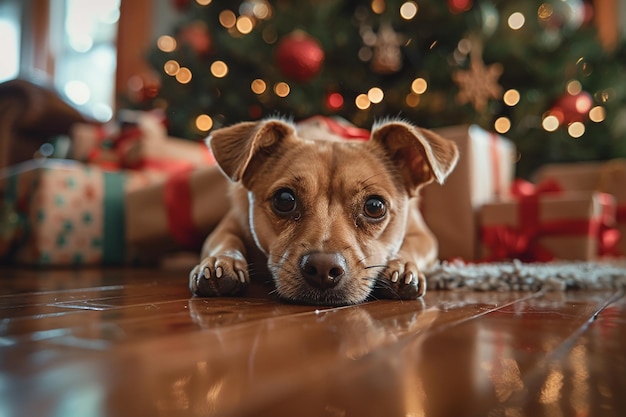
[[533, 71]]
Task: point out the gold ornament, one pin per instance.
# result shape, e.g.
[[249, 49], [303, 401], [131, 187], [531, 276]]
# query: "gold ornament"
[[478, 83]]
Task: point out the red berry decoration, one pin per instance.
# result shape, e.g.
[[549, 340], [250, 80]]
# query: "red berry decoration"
[[299, 56]]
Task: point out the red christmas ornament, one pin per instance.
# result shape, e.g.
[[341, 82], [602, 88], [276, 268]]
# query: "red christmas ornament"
[[459, 6], [197, 36], [299, 56], [573, 107]]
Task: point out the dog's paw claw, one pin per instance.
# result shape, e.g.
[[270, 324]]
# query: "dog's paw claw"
[[219, 275], [402, 280]]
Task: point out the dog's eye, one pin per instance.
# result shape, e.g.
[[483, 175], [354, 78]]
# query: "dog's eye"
[[375, 207], [284, 201]]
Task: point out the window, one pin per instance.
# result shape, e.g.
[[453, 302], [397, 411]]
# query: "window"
[[10, 45], [85, 61]]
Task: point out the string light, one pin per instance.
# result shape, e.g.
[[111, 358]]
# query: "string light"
[[419, 86], [258, 86], [183, 75], [408, 10], [219, 69], [550, 123], [511, 97], [502, 124], [204, 122], [516, 21], [282, 89], [166, 43], [362, 102], [335, 101], [574, 87], [171, 67], [597, 114], [203, 2], [244, 25], [375, 95], [412, 100], [576, 129], [228, 19], [378, 6]]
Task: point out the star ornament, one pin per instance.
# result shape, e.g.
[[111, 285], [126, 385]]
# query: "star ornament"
[[478, 84]]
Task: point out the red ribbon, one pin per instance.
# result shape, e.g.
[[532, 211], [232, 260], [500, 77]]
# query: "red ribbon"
[[521, 242], [345, 130], [178, 201], [495, 159]]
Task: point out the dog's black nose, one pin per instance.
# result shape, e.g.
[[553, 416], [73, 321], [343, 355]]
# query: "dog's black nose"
[[323, 270]]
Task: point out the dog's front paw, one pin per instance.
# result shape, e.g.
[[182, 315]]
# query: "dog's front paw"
[[401, 280], [219, 275]]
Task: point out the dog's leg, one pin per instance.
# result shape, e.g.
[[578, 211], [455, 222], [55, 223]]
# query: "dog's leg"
[[403, 278], [223, 269]]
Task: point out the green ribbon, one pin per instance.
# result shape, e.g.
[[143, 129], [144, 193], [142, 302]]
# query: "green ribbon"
[[113, 236]]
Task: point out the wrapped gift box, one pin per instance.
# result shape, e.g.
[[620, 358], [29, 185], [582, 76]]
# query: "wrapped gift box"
[[178, 213], [609, 177], [542, 227], [141, 143], [62, 212], [483, 174]]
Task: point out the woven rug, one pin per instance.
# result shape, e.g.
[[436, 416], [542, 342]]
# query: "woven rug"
[[518, 276]]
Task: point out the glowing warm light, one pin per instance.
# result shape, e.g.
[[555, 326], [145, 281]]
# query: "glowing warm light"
[[419, 86], [166, 43], [502, 124], [408, 10], [171, 67], [516, 21], [597, 114], [550, 123], [258, 86], [545, 11], [583, 104], [204, 122], [261, 10], [511, 97], [244, 25], [378, 6], [375, 95], [574, 87], [576, 130], [219, 69], [362, 102], [183, 75], [204, 3], [228, 19], [282, 89], [412, 100]]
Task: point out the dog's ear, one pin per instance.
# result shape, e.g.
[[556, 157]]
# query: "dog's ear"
[[241, 148], [421, 155]]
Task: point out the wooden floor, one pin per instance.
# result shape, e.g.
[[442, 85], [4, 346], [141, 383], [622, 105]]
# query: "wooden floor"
[[131, 342]]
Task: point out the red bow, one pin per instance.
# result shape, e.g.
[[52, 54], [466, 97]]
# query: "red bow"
[[506, 242]]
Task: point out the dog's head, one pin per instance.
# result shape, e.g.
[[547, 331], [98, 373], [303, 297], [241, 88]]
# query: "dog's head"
[[330, 214]]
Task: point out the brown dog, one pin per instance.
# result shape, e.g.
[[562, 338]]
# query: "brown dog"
[[334, 221]]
